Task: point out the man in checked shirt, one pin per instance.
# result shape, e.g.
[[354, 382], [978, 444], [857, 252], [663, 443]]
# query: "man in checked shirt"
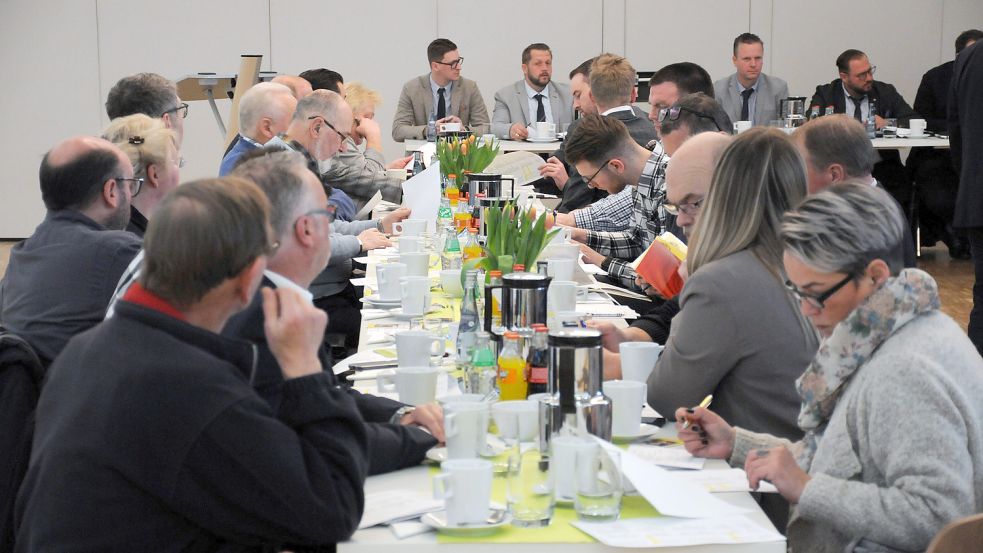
[[602, 151]]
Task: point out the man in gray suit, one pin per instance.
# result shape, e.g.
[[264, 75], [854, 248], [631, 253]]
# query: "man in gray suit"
[[535, 98], [443, 93], [749, 94]]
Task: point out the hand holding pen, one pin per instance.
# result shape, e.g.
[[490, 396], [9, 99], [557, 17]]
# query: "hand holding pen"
[[703, 432]]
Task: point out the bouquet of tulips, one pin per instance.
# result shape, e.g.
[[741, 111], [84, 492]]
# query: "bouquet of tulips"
[[515, 237], [459, 156]]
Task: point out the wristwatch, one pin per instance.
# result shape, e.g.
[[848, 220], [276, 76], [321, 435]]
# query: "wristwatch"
[[400, 413]]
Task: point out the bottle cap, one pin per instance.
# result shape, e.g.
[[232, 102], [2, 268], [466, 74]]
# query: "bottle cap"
[[451, 176], [495, 273], [518, 267], [512, 335]]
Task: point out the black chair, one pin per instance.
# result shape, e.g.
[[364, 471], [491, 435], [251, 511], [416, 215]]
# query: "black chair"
[[21, 375]]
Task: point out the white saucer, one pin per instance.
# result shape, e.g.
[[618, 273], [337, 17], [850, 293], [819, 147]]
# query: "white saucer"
[[497, 517], [439, 454], [374, 299], [397, 313], [643, 431], [537, 139]]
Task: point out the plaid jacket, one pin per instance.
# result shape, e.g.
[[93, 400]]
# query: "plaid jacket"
[[611, 212], [648, 218]]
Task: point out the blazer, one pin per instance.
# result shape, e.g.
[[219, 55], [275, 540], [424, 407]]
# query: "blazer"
[[512, 106], [932, 98], [966, 133], [770, 90], [889, 100], [416, 104]]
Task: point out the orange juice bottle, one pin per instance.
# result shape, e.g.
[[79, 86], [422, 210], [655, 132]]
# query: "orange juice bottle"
[[452, 191], [511, 369], [462, 217], [472, 249]]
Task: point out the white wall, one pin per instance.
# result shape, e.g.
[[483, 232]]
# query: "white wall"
[[61, 57]]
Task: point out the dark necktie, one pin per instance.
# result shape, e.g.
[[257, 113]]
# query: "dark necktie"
[[856, 108], [540, 110], [745, 97], [441, 107]]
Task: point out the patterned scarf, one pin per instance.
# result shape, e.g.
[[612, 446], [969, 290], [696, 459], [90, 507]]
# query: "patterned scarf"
[[853, 341]]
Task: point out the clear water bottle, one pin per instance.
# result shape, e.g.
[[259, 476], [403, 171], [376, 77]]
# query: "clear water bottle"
[[871, 124], [432, 128], [450, 255], [418, 163], [482, 376], [468, 326]]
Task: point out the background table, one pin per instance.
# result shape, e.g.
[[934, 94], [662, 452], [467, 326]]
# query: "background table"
[[905, 143], [506, 145]]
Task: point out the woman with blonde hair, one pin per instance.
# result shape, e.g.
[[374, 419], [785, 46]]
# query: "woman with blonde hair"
[[738, 334], [153, 151]]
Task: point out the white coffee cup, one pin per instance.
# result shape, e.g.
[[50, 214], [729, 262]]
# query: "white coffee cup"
[[414, 348], [544, 129], [449, 127], [567, 251], [410, 227], [465, 428], [517, 419], [627, 398], [415, 385], [560, 268], [387, 276], [564, 463], [638, 359], [410, 244], [917, 127], [465, 487], [417, 263], [415, 295], [741, 126], [450, 281]]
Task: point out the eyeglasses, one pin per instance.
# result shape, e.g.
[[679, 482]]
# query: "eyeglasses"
[[672, 114], [343, 136], [689, 208], [328, 213], [135, 184], [817, 301], [452, 64], [867, 73], [599, 169], [181, 109]]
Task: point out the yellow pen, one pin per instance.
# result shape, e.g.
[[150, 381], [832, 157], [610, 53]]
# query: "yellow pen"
[[704, 404]]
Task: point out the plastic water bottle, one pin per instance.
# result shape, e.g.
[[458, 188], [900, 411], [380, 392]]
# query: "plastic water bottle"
[[468, 326], [871, 121], [432, 128], [450, 255]]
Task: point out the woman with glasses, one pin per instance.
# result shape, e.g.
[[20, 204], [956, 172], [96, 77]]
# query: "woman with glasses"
[[890, 405], [153, 150]]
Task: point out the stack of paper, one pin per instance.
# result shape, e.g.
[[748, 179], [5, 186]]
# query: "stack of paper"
[[394, 505], [677, 532], [668, 456], [723, 481]]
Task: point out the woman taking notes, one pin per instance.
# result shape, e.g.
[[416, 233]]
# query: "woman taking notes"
[[891, 407]]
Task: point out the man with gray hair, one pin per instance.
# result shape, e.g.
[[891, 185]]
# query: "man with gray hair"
[[265, 111], [149, 94], [302, 226], [836, 148]]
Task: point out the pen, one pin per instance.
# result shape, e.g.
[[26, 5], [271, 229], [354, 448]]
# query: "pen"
[[704, 404]]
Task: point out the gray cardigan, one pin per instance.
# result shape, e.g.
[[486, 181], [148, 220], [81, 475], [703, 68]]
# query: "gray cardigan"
[[361, 174], [903, 452], [344, 246], [737, 336]]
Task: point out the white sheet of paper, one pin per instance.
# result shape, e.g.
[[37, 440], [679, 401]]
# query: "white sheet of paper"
[[384, 506], [672, 496], [592, 269], [722, 481], [607, 310], [523, 166], [677, 532], [369, 206], [361, 281], [669, 456], [422, 195]]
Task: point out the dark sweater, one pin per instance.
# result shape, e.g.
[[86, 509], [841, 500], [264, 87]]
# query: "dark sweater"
[[391, 446], [149, 437]]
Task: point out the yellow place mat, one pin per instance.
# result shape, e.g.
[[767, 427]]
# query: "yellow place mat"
[[559, 530]]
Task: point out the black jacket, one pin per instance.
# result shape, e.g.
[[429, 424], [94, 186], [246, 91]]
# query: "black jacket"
[[889, 100], [966, 135], [576, 194], [138, 223], [149, 437], [932, 98], [391, 446]]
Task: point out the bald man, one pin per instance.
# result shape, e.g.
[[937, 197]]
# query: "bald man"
[[59, 281], [688, 179], [264, 112], [299, 86]]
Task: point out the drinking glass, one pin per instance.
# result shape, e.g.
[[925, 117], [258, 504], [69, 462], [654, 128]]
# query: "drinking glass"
[[599, 486], [529, 487]]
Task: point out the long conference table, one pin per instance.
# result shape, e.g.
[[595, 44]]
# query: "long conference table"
[[376, 325]]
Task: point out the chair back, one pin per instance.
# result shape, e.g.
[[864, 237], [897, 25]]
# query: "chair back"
[[961, 536]]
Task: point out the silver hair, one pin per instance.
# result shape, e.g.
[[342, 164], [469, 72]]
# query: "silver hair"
[[261, 101], [845, 227], [325, 103], [279, 174]]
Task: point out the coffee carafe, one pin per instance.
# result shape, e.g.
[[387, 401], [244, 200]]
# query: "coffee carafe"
[[488, 184], [523, 299], [793, 111], [577, 403], [483, 205]]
